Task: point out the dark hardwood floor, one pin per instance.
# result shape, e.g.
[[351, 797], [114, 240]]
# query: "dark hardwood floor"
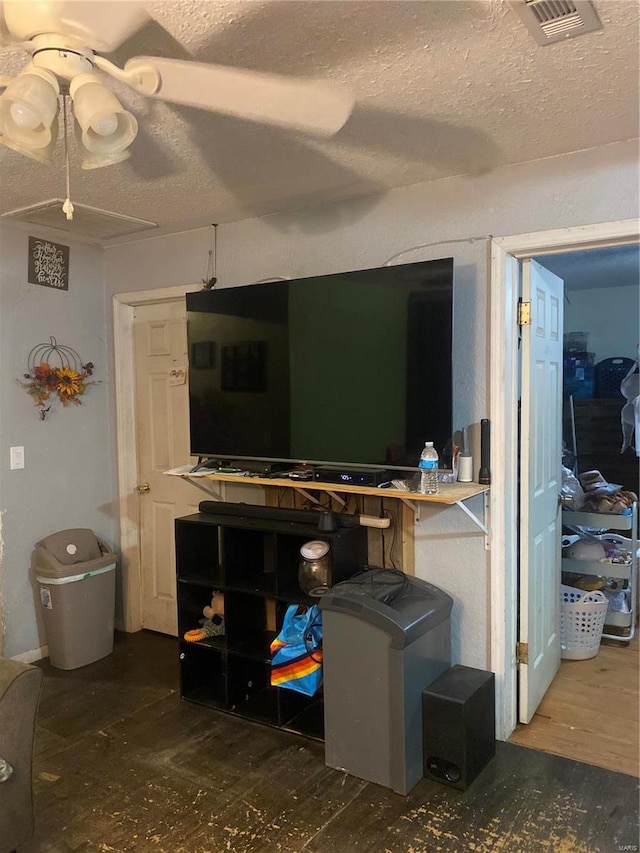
[[122, 764]]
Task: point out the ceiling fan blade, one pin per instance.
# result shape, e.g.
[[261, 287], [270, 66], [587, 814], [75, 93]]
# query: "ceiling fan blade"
[[307, 105], [102, 25]]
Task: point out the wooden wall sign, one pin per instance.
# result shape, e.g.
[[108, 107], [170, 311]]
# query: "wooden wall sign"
[[48, 264]]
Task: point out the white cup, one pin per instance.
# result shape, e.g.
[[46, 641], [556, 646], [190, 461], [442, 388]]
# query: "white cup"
[[465, 469]]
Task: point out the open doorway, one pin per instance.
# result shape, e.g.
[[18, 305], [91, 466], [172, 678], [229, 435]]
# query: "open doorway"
[[601, 331], [590, 711], [506, 254]]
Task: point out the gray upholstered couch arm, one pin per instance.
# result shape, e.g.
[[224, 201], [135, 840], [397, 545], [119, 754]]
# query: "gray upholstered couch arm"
[[19, 694]]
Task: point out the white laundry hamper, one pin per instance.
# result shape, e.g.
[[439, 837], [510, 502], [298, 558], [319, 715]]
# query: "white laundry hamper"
[[582, 616]]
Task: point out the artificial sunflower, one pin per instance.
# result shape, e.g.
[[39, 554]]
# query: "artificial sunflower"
[[68, 383]]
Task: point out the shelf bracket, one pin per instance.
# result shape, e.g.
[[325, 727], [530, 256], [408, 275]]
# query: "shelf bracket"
[[337, 498], [316, 500], [414, 507], [474, 518], [208, 489], [306, 494]]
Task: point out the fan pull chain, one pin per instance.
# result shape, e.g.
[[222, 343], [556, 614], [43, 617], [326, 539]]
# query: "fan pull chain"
[[67, 207]]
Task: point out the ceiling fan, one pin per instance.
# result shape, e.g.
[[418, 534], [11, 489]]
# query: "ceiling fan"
[[66, 40]]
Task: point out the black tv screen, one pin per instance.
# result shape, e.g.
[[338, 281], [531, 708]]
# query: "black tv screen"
[[352, 368]]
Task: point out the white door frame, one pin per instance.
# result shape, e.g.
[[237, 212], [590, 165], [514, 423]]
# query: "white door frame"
[[506, 252], [124, 305]]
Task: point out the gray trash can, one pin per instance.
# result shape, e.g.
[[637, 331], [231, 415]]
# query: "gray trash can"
[[76, 575], [386, 636]]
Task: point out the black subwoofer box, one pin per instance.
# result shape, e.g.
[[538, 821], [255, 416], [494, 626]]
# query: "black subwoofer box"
[[458, 718]]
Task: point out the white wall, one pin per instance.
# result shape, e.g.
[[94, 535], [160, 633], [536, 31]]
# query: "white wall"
[[66, 481], [611, 317], [588, 187]]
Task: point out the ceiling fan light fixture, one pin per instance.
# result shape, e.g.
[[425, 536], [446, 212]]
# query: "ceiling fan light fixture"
[[93, 160], [28, 109], [41, 155], [107, 128]]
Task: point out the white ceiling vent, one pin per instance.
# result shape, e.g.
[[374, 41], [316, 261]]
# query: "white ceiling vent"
[[90, 222], [549, 21]]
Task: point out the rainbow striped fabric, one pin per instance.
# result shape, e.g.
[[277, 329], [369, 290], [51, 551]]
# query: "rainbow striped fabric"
[[296, 653]]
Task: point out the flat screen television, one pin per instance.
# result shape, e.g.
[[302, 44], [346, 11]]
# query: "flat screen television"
[[349, 369]]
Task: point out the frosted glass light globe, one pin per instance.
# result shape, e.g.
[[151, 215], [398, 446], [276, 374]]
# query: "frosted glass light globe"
[[24, 116], [105, 125]]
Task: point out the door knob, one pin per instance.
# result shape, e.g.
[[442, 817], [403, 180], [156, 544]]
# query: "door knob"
[[564, 498], [143, 487]]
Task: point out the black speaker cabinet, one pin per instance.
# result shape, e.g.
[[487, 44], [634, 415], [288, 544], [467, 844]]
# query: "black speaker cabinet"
[[458, 718]]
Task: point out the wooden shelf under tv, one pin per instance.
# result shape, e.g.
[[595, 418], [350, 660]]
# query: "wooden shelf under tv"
[[449, 493], [403, 506]]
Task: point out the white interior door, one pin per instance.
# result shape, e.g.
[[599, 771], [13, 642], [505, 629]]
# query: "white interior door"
[[540, 484], [162, 428]]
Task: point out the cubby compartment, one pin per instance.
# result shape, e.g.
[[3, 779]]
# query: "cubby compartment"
[[203, 675], [249, 560], [250, 691], [192, 598], [245, 618], [292, 704], [309, 721], [254, 562], [288, 561], [198, 551], [257, 646]]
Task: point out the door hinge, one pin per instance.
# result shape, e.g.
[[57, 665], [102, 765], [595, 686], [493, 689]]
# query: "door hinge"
[[524, 313], [522, 653]]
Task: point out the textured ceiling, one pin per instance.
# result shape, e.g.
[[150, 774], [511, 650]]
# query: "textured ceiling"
[[442, 89], [617, 266]]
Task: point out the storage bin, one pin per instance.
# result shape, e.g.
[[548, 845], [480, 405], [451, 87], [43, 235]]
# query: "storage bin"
[[609, 374], [575, 341], [580, 381], [580, 358], [582, 616]]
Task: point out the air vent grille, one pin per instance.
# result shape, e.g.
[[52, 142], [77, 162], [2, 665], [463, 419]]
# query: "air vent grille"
[[90, 222], [547, 11], [549, 21]]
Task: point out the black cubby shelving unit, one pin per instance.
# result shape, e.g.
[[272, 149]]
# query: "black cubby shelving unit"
[[253, 562]]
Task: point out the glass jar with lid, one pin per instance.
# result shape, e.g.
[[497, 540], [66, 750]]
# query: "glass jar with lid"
[[314, 572]]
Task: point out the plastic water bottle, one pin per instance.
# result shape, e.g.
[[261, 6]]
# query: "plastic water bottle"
[[429, 470]]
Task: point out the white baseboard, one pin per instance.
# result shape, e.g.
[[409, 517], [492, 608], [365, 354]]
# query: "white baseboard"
[[33, 655]]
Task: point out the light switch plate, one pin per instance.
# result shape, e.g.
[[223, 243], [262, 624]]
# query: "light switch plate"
[[16, 457]]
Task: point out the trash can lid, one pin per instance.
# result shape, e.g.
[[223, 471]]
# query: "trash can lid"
[[72, 546], [417, 608]]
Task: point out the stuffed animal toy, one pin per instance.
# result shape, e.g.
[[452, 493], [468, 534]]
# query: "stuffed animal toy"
[[216, 608], [213, 623]]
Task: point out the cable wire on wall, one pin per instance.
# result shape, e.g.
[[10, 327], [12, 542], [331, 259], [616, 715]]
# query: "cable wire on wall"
[[209, 279], [395, 257]]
